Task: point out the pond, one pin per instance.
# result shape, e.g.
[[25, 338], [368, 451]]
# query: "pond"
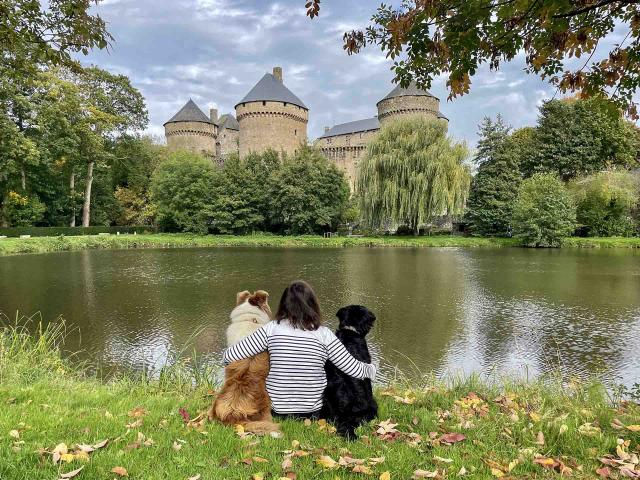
[[447, 310]]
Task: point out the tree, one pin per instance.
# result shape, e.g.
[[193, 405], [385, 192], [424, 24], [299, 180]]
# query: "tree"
[[183, 190], [308, 194], [15, 149], [544, 212], [495, 185], [579, 137], [118, 107], [35, 34], [431, 38], [412, 172], [242, 197], [607, 203]]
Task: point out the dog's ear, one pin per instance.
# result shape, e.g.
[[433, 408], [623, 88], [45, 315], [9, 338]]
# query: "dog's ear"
[[368, 319], [342, 314], [260, 299], [241, 297]]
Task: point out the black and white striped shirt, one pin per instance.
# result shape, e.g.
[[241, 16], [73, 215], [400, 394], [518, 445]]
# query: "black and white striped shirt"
[[297, 378]]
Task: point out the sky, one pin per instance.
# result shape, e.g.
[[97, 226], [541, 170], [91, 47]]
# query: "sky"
[[214, 51]]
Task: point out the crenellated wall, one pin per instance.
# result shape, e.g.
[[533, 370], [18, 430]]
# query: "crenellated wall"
[[270, 124], [396, 107], [197, 137]]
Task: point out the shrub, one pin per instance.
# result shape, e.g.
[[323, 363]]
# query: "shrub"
[[182, 187], [309, 194], [22, 210], [607, 202], [544, 212]]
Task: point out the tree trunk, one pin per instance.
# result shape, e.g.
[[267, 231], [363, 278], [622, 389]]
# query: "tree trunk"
[[72, 190], [86, 206], [23, 178]]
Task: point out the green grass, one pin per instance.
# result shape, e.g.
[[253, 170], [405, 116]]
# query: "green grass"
[[45, 402], [11, 246]]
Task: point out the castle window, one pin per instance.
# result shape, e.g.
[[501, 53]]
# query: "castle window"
[[285, 104], [295, 132], [264, 103]]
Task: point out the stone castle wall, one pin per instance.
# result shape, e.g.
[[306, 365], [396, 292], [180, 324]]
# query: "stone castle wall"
[[346, 151], [396, 107], [277, 125], [228, 140], [197, 137]]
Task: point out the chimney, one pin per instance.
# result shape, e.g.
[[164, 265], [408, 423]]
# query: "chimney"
[[326, 130], [277, 72], [213, 115]]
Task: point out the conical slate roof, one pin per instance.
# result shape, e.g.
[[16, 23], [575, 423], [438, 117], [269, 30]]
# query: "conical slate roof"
[[189, 113], [411, 91], [228, 121], [269, 88]]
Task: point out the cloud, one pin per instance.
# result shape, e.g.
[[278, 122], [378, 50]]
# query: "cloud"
[[214, 51]]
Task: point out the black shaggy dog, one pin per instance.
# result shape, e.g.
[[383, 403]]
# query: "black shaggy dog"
[[348, 402]]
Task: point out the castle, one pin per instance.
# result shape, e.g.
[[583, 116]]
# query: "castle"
[[270, 116]]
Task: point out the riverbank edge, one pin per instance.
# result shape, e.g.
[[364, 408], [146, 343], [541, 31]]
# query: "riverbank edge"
[[14, 246], [487, 429]]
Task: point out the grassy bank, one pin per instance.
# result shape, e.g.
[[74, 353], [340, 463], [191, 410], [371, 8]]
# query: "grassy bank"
[[10, 246], [468, 429]]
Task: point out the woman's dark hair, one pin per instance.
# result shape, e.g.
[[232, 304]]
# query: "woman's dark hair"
[[299, 305]]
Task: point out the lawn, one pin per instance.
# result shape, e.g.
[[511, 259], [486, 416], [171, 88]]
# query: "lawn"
[[10, 246], [56, 419]]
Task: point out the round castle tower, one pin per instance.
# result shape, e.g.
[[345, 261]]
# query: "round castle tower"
[[271, 116], [401, 102], [190, 129]]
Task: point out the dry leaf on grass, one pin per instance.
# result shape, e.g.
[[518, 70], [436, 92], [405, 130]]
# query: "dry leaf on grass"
[[362, 469], [326, 461], [385, 476], [137, 412], [195, 477], [120, 471], [72, 473], [425, 474]]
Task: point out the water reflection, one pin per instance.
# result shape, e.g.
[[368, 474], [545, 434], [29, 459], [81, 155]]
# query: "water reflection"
[[439, 309]]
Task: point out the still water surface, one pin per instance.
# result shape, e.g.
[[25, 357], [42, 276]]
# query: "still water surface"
[[443, 310]]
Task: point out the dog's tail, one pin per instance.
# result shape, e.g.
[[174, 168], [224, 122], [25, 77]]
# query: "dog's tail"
[[261, 427]]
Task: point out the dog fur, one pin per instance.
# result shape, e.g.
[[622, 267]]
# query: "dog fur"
[[243, 399], [348, 402]]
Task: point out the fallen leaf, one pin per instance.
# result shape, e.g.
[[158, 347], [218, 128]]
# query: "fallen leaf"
[[307, 422], [260, 460], [604, 472], [496, 472], [362, 469], [58, 451], [287, 463], [633, 428], [385, 476], [257, 476], [176, 446], [376, 460], [14, 434], [136, 424], [72, 473], [462, 472], [540, 438], [326, 461], [442, 460], [425, 474], [184, 414], [120, 471], [588, 430], [195, 477], [452, 437], [137, 412]]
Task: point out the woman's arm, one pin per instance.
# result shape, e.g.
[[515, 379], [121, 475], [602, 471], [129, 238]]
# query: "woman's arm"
[[342, 359], [247, 347]]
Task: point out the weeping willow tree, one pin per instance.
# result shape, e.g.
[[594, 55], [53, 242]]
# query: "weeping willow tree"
[[412, 172]]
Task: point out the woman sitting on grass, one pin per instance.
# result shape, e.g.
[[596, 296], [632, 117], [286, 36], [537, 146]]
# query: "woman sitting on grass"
[[298, 346]]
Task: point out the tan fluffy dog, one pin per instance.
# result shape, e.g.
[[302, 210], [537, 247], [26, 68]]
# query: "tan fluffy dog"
[[243, 399]]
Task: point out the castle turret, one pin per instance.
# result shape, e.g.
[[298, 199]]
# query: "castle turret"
[[190, 129], [271, 116], [408, 101]]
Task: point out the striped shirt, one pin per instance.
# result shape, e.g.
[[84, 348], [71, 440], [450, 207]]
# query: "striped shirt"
[[297, 378]]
